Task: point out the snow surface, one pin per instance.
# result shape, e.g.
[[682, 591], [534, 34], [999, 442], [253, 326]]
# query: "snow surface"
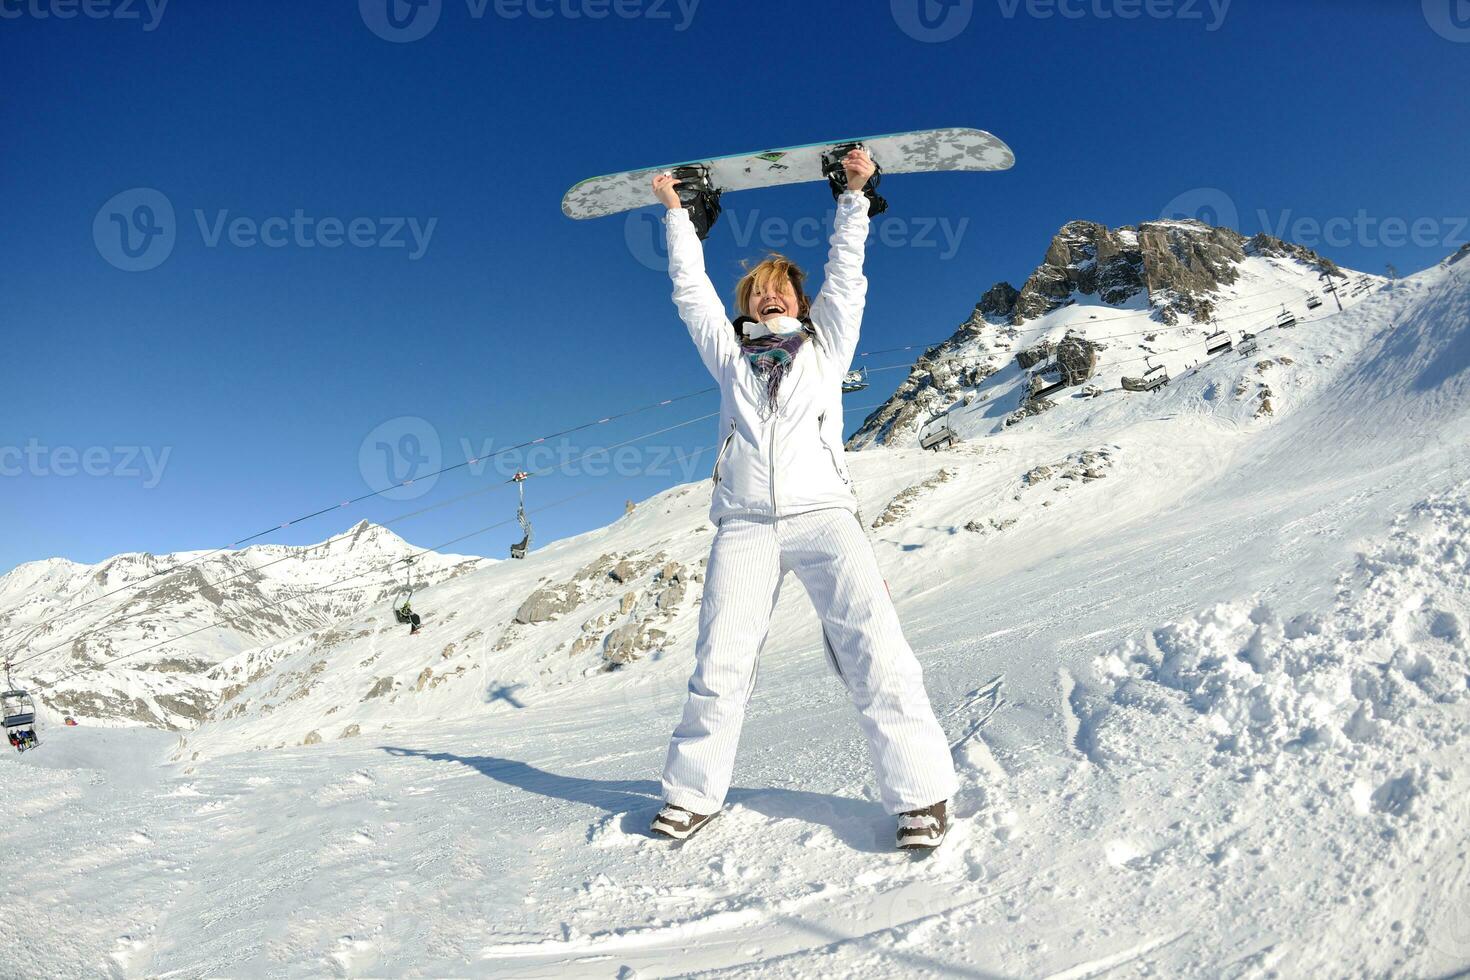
[[1237, 699]]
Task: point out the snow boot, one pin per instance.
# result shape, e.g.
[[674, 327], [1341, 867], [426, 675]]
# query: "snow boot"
[[677, 823], [923, 830]]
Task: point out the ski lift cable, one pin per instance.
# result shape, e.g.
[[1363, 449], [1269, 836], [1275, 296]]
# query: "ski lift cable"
[[524, 445], [1101, 319], [376, 493], [224, 620], [413, 557], [423, 510]]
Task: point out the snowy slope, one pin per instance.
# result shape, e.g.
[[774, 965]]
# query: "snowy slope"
[[1233, 744]]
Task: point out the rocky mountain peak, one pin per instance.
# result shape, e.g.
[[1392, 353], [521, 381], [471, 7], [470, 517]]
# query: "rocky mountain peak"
[[1177, 263]]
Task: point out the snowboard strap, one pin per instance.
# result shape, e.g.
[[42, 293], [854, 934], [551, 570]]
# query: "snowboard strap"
[[699, 197], [837, 178]]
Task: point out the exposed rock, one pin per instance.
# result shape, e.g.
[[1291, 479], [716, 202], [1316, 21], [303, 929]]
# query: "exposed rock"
[[424, 676], [899, 506], [1033, 407], [999, 303], [546, 604], [1077, 357], [351, 731], [1032, 356], [382, 687], [312, 738], [629, 600], [623, 572], [627, 643], [1037, 474]]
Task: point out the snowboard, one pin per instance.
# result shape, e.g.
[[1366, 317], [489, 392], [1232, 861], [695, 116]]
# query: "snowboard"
[[921, 151]]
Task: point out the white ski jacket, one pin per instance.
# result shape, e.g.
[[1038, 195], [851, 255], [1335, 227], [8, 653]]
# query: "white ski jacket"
[[790, 461]]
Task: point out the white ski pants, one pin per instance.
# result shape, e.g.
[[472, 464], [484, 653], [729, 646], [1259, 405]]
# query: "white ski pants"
[[835, 563]]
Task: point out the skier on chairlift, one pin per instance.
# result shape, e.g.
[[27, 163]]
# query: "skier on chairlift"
[[783, 502]]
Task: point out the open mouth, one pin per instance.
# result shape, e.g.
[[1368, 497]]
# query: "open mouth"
[[770, 308]]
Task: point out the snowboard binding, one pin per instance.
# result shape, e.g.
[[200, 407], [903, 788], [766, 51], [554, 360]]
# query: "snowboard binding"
[[837, 178], [699, 197]]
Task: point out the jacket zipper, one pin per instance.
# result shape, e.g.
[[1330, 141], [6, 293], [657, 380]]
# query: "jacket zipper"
[[822, 438], [724, 448], [775, 508]]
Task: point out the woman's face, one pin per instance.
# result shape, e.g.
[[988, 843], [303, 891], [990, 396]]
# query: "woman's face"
[[773, 300]]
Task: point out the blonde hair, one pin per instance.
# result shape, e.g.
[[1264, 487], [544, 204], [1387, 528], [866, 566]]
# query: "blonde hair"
[[774, 270]]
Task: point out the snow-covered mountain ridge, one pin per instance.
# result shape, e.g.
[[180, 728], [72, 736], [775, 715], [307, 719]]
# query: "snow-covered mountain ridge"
[[188, 612], [1105, 305]]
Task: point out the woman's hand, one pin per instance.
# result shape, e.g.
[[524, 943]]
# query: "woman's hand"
[[666, 189], [859, 167]]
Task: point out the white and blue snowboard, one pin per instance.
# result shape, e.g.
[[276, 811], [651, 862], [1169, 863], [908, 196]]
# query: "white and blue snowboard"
[[923, 151]]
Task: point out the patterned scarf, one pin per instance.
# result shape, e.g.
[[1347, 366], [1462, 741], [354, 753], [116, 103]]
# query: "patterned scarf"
[[770, 358]]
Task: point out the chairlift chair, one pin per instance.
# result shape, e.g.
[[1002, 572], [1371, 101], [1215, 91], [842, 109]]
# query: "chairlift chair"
[[1286, 319], [1217, 343], [519, 549], [937, 434], [1313, 301], [1154, 378], [1046, 381], [403, 609], [854, 381], [20, 719], [1248, 344]]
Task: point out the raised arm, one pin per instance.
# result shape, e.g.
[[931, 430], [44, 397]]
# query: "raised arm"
[[837, 312], [695, 296]]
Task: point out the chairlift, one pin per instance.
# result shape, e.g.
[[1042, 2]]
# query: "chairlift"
[[1286, 319], [1218, 343], [20, 718], [1331, 287], [1248, 345], [403, 611], [1046, 381], [937, 434], [1313, 301], [519, 549], [1155, 377], [854, 381]]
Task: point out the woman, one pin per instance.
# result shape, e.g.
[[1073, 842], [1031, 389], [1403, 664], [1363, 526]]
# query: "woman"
[[783, 501]]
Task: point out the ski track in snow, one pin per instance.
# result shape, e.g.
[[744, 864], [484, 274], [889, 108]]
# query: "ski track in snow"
[[1232, 741]]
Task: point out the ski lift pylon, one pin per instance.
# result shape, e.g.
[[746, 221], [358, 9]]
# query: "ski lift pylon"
[[519, 549]]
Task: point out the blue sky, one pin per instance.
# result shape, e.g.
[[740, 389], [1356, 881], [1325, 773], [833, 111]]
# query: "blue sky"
[[236, 385]]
